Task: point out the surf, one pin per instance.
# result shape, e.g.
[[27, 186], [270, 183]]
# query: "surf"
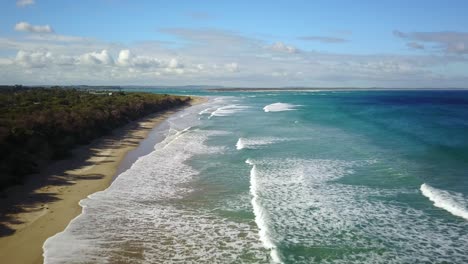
[[227, 110], [449, 201], [255, 143], [279, 107], [240, 144], [261, 216]]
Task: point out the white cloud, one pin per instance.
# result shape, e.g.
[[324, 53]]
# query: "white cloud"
[[447, 41], [23, 3], [64, 60], [57, 38], [174, 71], [281, 47], [26, 27], [124, 57], [212, 57], [279, 73], [146, 62], [33, 59], [127, 59], [232, 67], [174, 63], [5, 61], [91, 58], [41, 59]]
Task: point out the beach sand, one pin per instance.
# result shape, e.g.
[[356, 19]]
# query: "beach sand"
[[47, 202]]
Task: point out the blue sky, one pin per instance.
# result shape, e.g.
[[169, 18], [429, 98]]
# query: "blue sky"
[[235, 43]]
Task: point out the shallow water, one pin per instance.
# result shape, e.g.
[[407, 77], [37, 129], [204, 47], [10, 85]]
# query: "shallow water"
[[292, 177]]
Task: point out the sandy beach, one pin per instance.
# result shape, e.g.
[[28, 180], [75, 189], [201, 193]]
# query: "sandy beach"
[[47, 202]]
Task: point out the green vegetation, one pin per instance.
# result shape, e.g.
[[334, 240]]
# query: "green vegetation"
[[38, 125]]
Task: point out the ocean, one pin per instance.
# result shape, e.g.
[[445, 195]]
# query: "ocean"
[[288, 177]]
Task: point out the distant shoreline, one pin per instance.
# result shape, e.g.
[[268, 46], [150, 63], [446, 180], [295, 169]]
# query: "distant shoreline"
[[45, 204], [328, 89], [220, 88]]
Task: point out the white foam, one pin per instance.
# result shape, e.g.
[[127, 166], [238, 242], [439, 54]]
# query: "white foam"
[[254, 143], [261, 216], [136, 219], [279, 107], [140, 219], [205, 111], [240, 144], [168, 140], [453, 203], [227, 110], [308, 208]]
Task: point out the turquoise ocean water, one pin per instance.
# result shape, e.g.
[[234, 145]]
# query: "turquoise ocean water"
[[289, 177]]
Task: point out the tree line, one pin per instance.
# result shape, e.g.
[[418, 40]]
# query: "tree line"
[[39, 125]]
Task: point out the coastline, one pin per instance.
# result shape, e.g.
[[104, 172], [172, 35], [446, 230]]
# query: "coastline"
[[48, 201]]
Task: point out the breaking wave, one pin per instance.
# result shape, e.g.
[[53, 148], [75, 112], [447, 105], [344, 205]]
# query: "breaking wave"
[[261, 216], [453, 203], [279, 107], [253, 143], [227, 110]]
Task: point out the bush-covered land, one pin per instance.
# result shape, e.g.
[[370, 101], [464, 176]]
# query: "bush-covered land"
[[38, 125]]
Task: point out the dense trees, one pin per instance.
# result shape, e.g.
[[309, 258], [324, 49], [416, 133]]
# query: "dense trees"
[[41, 124]]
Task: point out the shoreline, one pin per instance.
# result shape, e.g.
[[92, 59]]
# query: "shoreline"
[[48, 201]]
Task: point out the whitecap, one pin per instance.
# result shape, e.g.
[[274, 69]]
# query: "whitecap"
[[452, 202], [254, 143], [206, 111], [261, 216], [279, 107], [227, 110], [308, 206]]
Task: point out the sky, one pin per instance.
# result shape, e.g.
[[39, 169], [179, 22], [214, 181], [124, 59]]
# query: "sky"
[[393, 44]]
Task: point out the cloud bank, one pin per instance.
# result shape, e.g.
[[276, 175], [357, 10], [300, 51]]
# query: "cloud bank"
[[219, 57], [446, 41]]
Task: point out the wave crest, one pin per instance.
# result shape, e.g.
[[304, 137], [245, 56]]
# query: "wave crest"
[[279, 107], [253, 143], [449, 201], [261, 215], [227, 110]]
